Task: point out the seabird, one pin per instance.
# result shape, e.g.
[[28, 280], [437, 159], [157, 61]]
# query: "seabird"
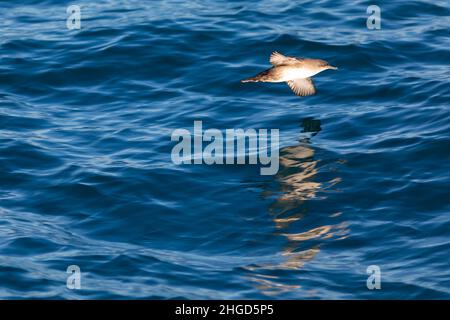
[[296, 72]]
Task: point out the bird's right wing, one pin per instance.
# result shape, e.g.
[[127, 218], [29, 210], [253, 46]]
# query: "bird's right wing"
[[302, 87]]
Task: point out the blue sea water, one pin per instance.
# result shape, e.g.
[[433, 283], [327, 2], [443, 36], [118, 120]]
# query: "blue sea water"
[[86, 176]]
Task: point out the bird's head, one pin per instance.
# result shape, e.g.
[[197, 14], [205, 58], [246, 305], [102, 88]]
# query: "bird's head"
[[323, 65]]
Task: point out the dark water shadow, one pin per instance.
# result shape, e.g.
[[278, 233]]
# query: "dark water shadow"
[[298, 189]]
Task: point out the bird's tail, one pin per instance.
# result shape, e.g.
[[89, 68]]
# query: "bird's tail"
[[252, 79], [260, 77]]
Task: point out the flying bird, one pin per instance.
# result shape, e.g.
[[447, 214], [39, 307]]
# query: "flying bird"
[[296, 72]]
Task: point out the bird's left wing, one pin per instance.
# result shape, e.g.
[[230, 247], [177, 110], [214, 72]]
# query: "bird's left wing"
[[278, 59], [302, 87]]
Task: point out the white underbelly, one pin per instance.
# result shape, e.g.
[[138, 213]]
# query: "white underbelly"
[[296, 73]]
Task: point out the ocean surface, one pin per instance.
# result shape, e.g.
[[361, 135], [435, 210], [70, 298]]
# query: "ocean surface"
[[87, 179]]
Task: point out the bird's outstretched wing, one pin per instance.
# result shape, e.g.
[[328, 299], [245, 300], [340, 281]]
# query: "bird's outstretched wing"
[[278, 59], [302, 87]]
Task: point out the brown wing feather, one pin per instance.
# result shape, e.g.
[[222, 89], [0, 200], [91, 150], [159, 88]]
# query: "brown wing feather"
[[278, 59], [302, 87]]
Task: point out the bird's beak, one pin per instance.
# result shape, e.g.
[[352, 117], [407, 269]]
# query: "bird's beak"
[[332, 68]]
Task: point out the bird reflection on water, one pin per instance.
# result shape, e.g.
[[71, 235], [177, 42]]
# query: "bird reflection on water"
[[298, 186]]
